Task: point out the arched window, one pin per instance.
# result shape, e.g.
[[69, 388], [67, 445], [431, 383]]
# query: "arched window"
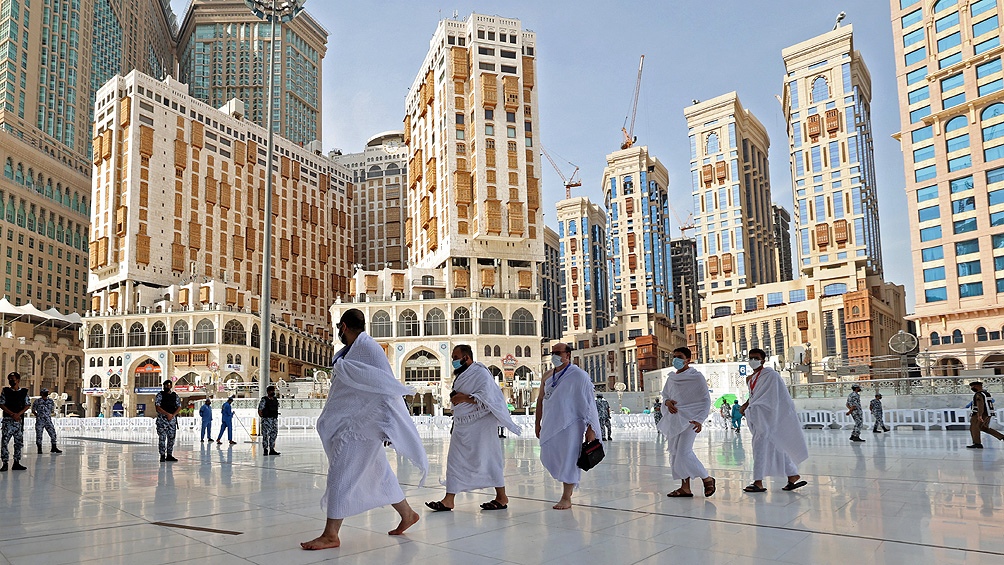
[[407, 324], [422, 367], [111, 361], [158, 334], [488, 351], [992, 111], [526, 351], [957, 336], [381, 325], [820, 90], [181, 335], [237, 359], [519, 351], [205, 332], [935, 338], [282, 345], [101, 361], [93, 363], [255, 337], [115, 336], [958, 122], [96, 338], [234, 334], [230, 358], [492, 322], [137, 335], [835, 289], [497, 351], [981, 334], [462, 324], [712, 146], [428, 280], [435, 322], [114, 381], [522, 323], [118, 360], [8, 169], [942, 5], [95, 381]]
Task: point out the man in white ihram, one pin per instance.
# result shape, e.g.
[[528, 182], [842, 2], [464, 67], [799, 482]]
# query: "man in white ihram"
[[778, 443], [571, 413], [688, 403], [365, 408], [475, 457]]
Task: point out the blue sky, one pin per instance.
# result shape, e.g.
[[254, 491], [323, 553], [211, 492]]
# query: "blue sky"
[[587, 63]]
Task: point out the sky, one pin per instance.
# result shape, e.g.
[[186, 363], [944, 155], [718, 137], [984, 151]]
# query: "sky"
[[587, 63]]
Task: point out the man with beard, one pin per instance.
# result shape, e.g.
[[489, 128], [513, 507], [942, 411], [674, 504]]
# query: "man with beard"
[[475, 457]]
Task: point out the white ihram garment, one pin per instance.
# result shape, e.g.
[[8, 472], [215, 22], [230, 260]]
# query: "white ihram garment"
[[693, 403], [569, 406], [365, 407], [778, 443], [475, 457]]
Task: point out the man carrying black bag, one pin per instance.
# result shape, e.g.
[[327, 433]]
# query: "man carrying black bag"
[[571, 414]]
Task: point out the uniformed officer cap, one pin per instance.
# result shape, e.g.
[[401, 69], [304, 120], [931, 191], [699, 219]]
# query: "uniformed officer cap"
[[44, 391]]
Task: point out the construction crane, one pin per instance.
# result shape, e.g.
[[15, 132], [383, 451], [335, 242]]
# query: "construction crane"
[[629, 137], [684, 226], [570, 181]]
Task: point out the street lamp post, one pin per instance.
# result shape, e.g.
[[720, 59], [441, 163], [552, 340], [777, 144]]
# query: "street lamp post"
[[275, 12]]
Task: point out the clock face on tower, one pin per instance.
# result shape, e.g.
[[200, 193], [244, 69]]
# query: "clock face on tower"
[[392, 146]]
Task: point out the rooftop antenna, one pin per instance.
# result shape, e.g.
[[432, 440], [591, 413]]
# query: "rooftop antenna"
[[840, 18], [456, 14]]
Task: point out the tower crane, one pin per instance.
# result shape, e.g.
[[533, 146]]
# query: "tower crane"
[[570, 181], [629, 137], [684, 226]]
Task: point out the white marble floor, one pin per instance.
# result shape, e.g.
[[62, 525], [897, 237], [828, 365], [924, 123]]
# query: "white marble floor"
[[902, 497]]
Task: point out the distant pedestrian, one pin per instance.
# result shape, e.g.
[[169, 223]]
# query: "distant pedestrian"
[[168, 405], [979, 419], [737, 416], [42, 409], [657, 411], [14, 403], [268, 411], [206, 413], [876, 409], [603, 409], [117, 410], [854, 411], [227, 421], [725, 411]]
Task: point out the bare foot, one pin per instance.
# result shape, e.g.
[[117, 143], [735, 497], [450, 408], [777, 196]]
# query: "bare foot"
[[563, 504], [321, 542], [405, 524]]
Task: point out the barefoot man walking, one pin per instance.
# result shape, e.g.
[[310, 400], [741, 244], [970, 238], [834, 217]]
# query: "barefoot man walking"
[[365, 408]]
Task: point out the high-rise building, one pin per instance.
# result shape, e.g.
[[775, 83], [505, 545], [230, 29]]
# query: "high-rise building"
[[781, 242], [686, 299], [636, 187], [585, 300], [948, 67], [550, 285], [827, 103], [176, 277], [474, 231], [50, 56], [840, 310], [731, 189], [223, 52], [379, 208], [132, 34]]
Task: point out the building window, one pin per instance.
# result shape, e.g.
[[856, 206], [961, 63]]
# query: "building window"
[[158, 334], [462, 324], [407, 324], [234, 333], [821, 90], [205, 332], [116, 338], [492, 322], [381, 325]]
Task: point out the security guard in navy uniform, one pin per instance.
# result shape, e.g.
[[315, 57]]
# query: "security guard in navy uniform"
[[42, 409], [14, 403], [268, 411]]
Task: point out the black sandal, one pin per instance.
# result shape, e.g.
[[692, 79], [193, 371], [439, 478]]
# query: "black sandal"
[[494, 505], [709, 489], [438, 506], [678, 493], [754, 488], [793, 486]]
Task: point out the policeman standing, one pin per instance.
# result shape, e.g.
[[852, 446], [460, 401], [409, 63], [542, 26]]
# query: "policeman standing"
[[14, 403], [42, 409], [855, 412], [168, 405], [268, 411]]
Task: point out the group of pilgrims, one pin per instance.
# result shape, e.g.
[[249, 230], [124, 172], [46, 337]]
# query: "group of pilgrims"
[[365, 412]]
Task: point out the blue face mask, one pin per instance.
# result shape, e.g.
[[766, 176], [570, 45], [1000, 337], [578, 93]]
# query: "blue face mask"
[[457, 363], [678, 363]]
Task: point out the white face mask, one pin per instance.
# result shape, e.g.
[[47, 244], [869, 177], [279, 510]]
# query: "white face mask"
[[556, 360], [756, 363]]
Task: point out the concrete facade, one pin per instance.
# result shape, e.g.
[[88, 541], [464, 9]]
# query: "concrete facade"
[[188, 263], [951, 99]]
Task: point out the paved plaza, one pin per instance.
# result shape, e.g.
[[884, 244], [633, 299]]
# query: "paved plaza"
[[902, 497]]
